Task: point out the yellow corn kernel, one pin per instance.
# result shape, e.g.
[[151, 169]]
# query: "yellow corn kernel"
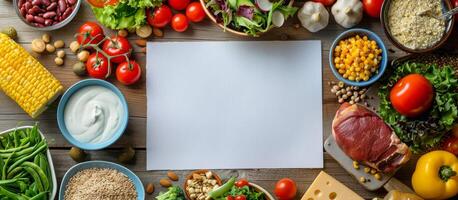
[[27, 81]]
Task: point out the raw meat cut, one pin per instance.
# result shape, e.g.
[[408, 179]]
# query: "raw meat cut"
[[366, 138]]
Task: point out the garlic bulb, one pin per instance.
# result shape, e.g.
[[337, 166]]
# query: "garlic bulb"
[[313, 16], [347, 13]]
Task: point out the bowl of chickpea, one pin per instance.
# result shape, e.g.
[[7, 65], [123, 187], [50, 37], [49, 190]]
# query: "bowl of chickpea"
[[358, 57]]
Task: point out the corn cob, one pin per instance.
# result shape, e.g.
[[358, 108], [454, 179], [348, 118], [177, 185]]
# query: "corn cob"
[[24, 79]]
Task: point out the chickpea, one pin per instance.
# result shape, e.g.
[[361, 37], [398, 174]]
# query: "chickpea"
[[59, 61]]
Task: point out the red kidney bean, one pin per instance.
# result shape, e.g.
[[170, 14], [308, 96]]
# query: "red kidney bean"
[[67, 13], [48, 22], [62, 5], [46, 2], [52, 6], [39, 19], [29, 18], [37, 2], [27, 5], [35, 10], [49, 14], [20, 2], [23, 11], [71, 2], [39, 25]]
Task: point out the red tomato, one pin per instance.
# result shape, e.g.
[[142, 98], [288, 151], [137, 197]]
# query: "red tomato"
[[195, 12], [88, 31], [285, 189], [455, 4], [180, 22], [373, 7], [160, 17], [242, 182], [412, 95], [117, 46], [97, 66], [178, 4], [240, 197], [230, 198], [451, 145], [128, 72], [101, 3], [326, 2]]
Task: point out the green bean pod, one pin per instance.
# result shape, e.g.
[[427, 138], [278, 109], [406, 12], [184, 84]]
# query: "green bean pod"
[[35, 177], [5, 192], [40, 172], [20, 161]]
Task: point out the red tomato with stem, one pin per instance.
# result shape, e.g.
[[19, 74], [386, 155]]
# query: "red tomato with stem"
[[160, 17], [180, 22], [285, 189], [373, 7], [241, 183], [195, 12], [240, 197], [178, 4], [90, 32], [118, 47], [451, 145], [97, 66], [412, 95], [128, 73], [101, 3], [326, 2], [230, 197]]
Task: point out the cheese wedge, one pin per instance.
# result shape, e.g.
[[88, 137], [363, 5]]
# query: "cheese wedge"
[[325, 187]]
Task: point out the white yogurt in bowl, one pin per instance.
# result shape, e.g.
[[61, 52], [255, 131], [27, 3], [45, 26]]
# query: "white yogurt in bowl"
[[93, 114]]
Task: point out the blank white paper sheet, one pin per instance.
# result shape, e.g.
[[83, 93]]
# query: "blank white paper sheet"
[[234, 105]]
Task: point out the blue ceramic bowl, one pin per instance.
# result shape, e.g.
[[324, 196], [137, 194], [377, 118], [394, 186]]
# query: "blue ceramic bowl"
[[63, 102], [101, 164], [372, 36]]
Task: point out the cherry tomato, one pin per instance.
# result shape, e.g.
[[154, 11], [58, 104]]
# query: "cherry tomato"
[[373, 7], [451, 145], [412, 95], [101, 3], [240, 197], [326, 2], [128, 72], [230, 198], [117, 46], [241, 183], [178, 4], [195, 12], [88, 31], [160, 17], [97, 66], [285, 189], [180, 22]]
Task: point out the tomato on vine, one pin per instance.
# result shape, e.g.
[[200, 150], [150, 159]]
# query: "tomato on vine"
[[118, 47], [128, 73], [159, 17], [97, 66], [90, 33]]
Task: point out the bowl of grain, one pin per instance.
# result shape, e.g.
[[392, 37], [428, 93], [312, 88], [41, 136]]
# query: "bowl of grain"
[[100, 180], [415, 26]]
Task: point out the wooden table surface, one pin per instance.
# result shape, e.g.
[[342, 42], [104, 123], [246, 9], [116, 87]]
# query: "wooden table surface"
[[11, 115]]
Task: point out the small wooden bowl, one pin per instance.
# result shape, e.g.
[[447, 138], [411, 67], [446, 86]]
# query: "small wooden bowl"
[[228, 29], [202, 171]]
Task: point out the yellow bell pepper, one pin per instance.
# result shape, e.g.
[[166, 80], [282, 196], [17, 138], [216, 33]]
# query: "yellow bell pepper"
[[435, 176]]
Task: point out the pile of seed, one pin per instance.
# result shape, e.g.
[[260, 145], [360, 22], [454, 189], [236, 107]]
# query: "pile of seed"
[[350, 94], [100, 184]]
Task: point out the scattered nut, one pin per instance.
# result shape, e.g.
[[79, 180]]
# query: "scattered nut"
[[10, 32], [367, 169], [77, 154], [158, 32], [150, 188], [60, 53], [378, 176], [141, 42], [50, 48], [38, 46], [123, 33], [127, 155], [362, 179], [59, 61], [350, 94], [59, 44], [74, 46], [79, 68], [165, 182], [355, 165], [144, 31], [46, 38], [83, 56], [172, 176], [373, 171]]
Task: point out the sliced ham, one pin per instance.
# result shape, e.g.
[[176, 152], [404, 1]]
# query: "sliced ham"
[[366, 138]]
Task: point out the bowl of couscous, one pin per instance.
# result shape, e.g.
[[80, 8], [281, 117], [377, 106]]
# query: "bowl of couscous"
[[358, 57]]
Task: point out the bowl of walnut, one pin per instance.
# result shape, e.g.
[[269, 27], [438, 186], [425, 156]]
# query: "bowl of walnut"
[[199, 183]]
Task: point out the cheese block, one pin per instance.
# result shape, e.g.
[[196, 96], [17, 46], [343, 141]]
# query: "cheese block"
[[325, 187]]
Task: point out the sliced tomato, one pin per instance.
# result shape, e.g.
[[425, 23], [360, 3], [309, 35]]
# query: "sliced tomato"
[[101, 3]]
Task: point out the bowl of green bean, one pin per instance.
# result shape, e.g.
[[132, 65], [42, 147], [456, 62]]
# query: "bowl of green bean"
[[27, 170]]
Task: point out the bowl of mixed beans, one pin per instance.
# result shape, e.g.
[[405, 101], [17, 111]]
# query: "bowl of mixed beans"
[[358, 57]]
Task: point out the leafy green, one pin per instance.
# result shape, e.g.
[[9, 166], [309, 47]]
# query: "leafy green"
[[247, 191], [424, 133], [174, 193], [127, 14]]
